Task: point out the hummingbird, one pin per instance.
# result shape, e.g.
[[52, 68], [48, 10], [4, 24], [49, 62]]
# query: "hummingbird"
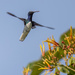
[[28, 24]]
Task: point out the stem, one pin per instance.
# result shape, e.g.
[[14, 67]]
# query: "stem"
[[70, 68]]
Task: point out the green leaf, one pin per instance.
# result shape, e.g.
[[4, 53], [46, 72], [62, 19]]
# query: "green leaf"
[[70, 61], [64, 70], [74, 61], [34, 67], [71, 72]]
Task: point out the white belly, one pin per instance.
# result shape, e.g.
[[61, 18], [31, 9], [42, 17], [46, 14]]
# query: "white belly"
[[26, 30]]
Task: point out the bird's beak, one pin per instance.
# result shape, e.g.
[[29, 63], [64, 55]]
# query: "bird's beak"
[[35, 11]]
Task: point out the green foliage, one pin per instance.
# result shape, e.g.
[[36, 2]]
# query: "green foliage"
[[70, 61], [35, 67]]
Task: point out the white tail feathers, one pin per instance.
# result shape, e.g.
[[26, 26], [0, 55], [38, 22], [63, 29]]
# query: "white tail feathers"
[[26, 30], [23, 36]]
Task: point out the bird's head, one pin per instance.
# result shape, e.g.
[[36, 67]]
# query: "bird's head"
[[31, 12]]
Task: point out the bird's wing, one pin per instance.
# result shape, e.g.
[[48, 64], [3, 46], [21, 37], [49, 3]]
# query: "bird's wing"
[[41, 25], [23, 19]]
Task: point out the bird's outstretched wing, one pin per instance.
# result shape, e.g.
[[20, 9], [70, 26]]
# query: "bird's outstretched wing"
[[36, 24], [23, 19]]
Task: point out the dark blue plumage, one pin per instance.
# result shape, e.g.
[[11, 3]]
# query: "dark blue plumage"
[[30, 14]]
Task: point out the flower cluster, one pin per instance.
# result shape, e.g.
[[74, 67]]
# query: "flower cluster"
[[51, 61], [70, 48]]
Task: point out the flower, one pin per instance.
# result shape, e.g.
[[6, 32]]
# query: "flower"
[[46, 61], [26, 70], [49, 46], [70, 31], [42, 49], [52, 41], [44, 68], [71, 38], [48, 67]]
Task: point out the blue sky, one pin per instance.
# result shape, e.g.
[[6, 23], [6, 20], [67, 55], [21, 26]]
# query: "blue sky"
[[14, 54]]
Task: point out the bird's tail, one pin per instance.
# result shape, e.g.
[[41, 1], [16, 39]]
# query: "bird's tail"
[[23, 36]]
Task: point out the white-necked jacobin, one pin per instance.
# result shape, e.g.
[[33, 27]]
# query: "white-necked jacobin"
[[28, 24]]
